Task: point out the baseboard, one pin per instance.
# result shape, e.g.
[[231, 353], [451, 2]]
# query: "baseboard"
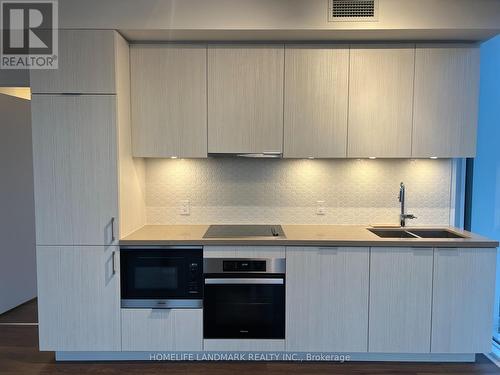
[[262, 356]]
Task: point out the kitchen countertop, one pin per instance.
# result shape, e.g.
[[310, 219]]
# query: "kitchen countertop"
[[299, 235]]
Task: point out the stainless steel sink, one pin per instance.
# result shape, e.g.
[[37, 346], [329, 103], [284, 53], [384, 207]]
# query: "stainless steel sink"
[[415, 233], [392, 233], [436, 233]]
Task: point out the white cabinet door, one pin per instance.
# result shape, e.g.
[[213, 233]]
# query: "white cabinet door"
[[327, 299], [86, 65], [162, 330], [316, 94], [75, 169], [245, 98], [463, 297], [400, 300], [380, 101], [78, 298], [169, 100], [446, 101]]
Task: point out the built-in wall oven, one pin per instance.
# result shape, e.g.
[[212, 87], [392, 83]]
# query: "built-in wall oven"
[[244, 298], [161, 277]]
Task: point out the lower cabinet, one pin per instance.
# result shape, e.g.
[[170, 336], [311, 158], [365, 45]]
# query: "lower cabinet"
[[327, 299], [400, 300], [78, 298], [463, 297], [162, 329]]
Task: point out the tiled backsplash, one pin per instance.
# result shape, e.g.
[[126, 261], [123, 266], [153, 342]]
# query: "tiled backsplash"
[[286, 191]]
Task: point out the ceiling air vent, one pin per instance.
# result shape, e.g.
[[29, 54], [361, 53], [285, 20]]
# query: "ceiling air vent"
[[352, 10]]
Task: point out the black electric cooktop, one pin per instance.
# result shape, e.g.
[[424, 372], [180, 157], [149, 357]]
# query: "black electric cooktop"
[[238, 231]]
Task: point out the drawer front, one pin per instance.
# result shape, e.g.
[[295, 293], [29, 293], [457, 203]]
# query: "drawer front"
[[162, 329]]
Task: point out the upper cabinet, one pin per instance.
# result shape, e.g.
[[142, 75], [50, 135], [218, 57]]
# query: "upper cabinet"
[[302, 100], [380, 100], [86, 65], [446, 101], [245, 98], [169, 100], [316, 97]]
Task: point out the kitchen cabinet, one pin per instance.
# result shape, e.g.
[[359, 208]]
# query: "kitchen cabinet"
[[78, 298], [380, 100], [86, 65], [75, 169], [327, 299], [162, 329], [245, 98], [316, 101], [445, 108], [169, 100], [463, 296], [400, 300]]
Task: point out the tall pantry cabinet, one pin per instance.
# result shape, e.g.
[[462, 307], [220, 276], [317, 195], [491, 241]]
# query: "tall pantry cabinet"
[[81, 152]]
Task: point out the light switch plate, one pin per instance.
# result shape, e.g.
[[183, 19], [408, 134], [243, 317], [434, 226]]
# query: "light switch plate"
[[320, 208], [185, 208]]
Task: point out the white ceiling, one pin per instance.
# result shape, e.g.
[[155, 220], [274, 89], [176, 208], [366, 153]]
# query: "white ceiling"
[[210, 20]]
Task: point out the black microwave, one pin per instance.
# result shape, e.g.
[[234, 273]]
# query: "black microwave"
[[161, 277]]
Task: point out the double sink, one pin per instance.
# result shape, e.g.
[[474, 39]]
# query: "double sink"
[[415, 233]]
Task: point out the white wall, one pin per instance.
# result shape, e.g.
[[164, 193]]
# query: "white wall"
[[17, 211], [14, 77], [285, 191]]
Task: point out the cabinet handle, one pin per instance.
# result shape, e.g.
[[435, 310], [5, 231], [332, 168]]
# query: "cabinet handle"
[[271, 152], [113, 263], [112, 229]]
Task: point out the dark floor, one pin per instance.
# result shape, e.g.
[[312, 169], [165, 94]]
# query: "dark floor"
[[25, 313], [19, 355]]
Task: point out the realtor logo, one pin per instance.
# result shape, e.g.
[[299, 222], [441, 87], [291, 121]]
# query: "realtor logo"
[[29, 34]]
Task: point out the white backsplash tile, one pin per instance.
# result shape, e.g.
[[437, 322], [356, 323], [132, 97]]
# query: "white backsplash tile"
[[286, 191]]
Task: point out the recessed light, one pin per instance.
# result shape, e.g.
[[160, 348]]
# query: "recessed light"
[[173, 157], [372, 157], [433, 157], [310, 157]]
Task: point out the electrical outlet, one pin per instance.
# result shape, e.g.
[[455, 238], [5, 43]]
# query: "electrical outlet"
[[185, 207], [320, 208]]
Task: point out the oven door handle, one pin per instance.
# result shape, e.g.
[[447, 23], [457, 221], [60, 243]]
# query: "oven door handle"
[[260, 281]]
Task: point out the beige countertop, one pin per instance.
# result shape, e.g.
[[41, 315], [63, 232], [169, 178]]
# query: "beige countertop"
[[298, 235]]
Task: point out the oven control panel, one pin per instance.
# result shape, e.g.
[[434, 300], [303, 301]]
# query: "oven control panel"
[[244, 266], [195, 270]]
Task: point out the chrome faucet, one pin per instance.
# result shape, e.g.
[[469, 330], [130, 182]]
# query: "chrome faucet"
[[403, 216]]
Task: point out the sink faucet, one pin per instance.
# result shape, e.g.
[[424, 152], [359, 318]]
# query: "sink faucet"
[[403, 216]]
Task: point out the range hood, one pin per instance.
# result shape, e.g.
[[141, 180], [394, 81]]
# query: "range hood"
[[259, 155]]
